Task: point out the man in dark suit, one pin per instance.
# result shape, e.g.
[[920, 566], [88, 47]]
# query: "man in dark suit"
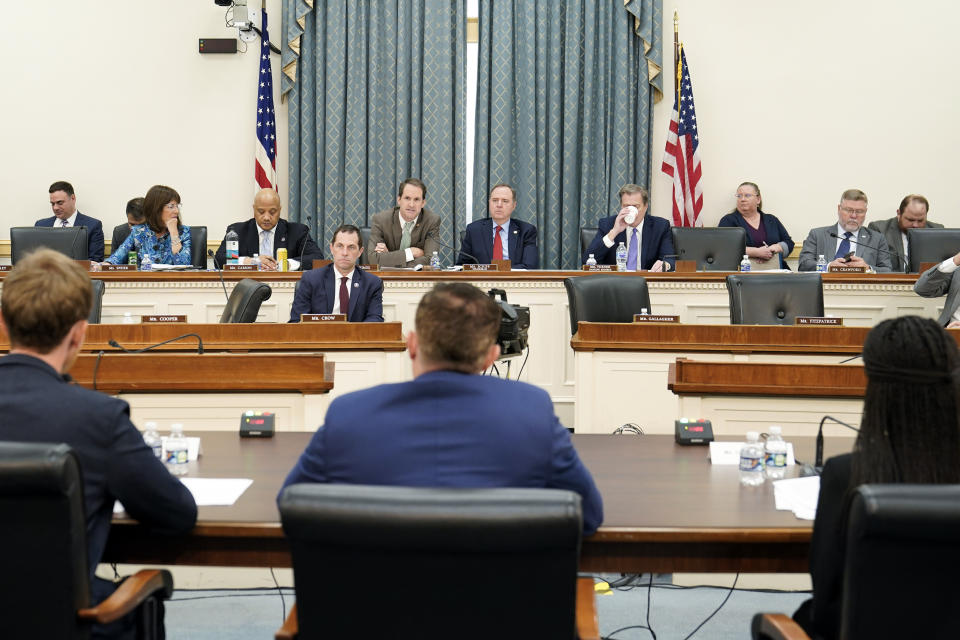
[[646, 238], [835, 242], [266, 232], [39, 404], [939, 280], [449, 427], [499, 237], [340, 287], [405, 236], [63, 201], [134, 217], [912, 214]]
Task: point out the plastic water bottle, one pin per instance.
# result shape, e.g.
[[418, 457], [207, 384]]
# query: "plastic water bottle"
[[621, 257], [644, 311], [591, 261], [255, 259], [435, 260], [751, 461], [146, 264], [745, 263], [821, 264], [775, 454], [176, 456], [128, 318], [232, 241], [152, 437]]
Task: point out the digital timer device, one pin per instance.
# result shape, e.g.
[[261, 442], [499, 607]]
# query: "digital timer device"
[[257, 424], [689, 431]]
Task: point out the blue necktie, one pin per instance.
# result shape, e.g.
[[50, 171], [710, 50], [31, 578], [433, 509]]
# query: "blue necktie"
[[844, 247], [632, 252]]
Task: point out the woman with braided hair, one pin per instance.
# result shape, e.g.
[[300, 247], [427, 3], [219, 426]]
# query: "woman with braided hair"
[[909, 433]]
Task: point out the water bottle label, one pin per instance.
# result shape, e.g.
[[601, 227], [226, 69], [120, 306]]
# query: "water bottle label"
[[778, 459], [751, 464], [158, 451]]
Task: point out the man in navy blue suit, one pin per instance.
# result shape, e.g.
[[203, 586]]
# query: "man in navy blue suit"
[[646, 238], [39, 404], [341, 287], [63, 201], [449, 427], [499, 237]]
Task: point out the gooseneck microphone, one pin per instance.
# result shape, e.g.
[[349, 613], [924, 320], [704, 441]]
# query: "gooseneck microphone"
[[853, 240], [219, 273], [456, 253], [117, 345], [73, 243], [818, 459]]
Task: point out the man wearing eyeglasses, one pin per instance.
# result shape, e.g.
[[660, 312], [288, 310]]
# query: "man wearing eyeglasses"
[[847, 243]]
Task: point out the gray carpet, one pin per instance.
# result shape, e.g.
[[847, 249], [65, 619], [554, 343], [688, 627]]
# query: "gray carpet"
[[674, 612]]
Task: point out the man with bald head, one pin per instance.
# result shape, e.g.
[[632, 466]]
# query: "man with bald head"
[[266, 232]]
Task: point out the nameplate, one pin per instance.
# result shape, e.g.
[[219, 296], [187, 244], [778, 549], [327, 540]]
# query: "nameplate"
[[599, 267], [6, 267], [836, 269], [118, 267], [817, 320], [323, 317], [163, 318], [481, 267], [649, 317], [369, 267], [239, 267]]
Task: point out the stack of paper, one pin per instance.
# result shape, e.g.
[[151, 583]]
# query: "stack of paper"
[[798, 495]]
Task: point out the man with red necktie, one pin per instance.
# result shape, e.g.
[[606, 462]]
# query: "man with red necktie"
[[499, 237]]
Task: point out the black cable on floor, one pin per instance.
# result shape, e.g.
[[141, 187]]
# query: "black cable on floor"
[[283, 602], [715, 611]]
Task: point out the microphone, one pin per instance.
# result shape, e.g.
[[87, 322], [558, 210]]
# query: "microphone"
[[854, 240], [219, 273], [818, 460], [73, 244], [454, 249], [117, 345], [306, 237]]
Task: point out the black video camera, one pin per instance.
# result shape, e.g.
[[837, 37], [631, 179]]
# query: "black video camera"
[[514, 323]]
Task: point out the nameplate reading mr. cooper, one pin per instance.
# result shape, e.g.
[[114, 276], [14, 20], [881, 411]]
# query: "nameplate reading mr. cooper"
[[118, 267], [163, 318], [599, 267], [240, 267], [481, 267], [649, 317], [836, 269], [818, 320], [323, 317]]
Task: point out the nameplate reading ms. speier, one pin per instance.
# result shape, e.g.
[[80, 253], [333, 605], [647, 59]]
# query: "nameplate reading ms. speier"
[[836, 269], [323, 317], [118, 267], [481, 267], [599, 267], [818, 320], [239, 267], [163, 318], [649, 317]]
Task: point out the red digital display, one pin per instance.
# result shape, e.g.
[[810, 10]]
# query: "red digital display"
[[697, 429], [256, 420]]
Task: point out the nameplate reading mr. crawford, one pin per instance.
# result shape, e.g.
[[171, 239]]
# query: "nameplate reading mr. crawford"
[[836, 269]]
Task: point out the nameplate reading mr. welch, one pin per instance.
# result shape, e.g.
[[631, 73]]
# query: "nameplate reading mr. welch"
[[648, 317], [323, 317], [481, 267], [599, 267], [818, 320], [836, 269], [163, 318], [118, 267], [239, 267]]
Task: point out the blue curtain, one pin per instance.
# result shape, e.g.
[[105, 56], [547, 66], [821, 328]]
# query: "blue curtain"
[[565, 92], [377, 93]]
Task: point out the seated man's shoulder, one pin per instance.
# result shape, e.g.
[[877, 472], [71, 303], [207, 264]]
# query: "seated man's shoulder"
[[882, 225]]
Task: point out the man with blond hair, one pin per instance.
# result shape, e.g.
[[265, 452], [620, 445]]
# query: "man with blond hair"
[[45, 301]]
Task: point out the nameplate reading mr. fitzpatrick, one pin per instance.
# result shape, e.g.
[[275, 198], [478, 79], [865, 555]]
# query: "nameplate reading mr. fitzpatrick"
[[818, 320]]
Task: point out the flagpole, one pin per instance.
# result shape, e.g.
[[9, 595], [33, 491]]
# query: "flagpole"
[[676, 54]]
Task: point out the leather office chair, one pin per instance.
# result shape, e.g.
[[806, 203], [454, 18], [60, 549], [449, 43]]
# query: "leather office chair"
[[587, 234], [198, 247], [367, 249], [245, 300], [774, 298], [714, 249], [931, 245], [458, 552], [902, 543], [605, 298], [45, 592], [98, 288]]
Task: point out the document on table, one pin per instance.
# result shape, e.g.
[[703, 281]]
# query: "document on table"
[[798, 495], [210, 492]]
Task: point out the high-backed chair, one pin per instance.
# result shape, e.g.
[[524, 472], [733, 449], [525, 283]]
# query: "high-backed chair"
[[245, 300], [587, 234], [931, 245], [901, 539], [45, 591], [367, 249], [605, 298], [774, 298], [95, 310], [198, 246], [714, 249], [458, 552]]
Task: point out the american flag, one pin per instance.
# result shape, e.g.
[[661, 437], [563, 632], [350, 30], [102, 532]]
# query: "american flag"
[[265, 165], [681, 158]]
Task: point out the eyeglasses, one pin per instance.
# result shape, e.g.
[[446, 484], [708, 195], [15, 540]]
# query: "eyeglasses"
[[854, 212], [744, 196], [173, 205]]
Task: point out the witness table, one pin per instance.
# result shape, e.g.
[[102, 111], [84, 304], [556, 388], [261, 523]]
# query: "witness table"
[[666, 510]]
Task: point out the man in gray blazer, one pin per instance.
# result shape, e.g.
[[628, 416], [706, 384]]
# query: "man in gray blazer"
[[869, 249], [943, 279], [405, 236], [912, 214]]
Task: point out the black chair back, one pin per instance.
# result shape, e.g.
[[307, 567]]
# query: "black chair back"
[[931, 245], [902, 543], [587, 234], [245, 300], [606, 298], [198, 247], [774, 298], [97, 308], [367, 249], [43, 530], [714, 249], [457, 553], [71, 241]]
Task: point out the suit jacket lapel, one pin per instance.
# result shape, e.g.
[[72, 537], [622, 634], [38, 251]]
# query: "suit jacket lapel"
[[354, 292], [513, 240], [485, 248], [329, 281], [395, 229], [645, 240]]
